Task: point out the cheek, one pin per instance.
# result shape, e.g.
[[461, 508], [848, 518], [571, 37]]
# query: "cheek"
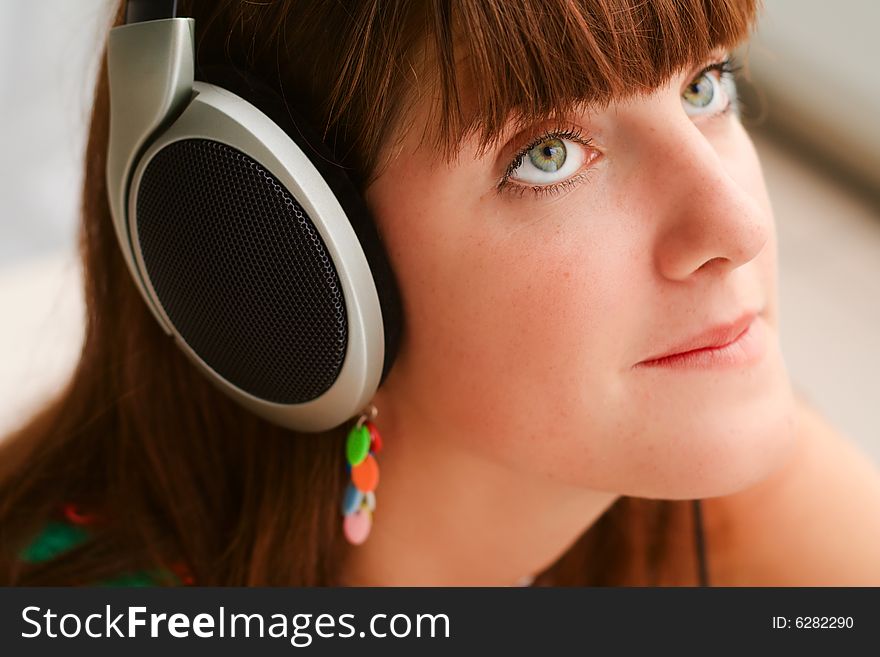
[[513, 324]]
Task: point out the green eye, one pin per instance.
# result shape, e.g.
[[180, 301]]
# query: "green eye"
[[549, 155], [700, 92], [548, 162]]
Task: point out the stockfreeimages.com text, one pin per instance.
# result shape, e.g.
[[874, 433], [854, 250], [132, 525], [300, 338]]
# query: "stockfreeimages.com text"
[[129, 623]]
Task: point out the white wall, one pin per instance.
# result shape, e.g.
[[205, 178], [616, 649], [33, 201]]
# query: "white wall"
[[816, 61], [48, 54]]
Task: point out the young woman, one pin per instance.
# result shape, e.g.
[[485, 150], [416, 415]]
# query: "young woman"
[[567, 196]]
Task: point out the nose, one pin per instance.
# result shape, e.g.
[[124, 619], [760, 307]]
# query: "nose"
[[709, 219]]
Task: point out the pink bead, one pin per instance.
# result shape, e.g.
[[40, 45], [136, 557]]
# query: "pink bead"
[[356, 526]]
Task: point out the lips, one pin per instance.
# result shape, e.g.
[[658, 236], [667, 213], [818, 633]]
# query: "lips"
[[717, 335]]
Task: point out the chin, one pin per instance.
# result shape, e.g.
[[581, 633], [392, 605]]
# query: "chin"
[[745, 454], [710, 442], [717, 451]]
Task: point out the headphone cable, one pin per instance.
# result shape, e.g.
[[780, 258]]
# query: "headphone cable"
[[700, 544]]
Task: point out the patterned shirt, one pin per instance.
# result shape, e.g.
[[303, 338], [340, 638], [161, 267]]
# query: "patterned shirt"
[[71, 528]]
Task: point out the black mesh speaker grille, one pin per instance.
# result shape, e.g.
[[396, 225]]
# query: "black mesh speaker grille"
[[241, 271]]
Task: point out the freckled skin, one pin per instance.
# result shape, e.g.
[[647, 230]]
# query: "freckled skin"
[[513, 402]]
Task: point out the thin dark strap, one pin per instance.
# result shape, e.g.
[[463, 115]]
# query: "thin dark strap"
[[138, 11], [701, 544]]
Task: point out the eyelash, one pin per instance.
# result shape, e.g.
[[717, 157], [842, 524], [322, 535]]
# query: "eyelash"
[[726, 67], [573, 133]]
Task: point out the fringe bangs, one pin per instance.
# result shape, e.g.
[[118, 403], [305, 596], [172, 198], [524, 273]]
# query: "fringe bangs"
[[496, 61]]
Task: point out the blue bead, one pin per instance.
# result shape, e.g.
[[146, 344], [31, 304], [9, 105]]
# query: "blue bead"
[[351, 500]]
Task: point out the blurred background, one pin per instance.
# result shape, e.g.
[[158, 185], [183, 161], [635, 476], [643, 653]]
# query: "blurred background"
[[812, 103]]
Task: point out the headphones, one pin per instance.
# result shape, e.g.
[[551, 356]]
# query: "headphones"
[[252, 247]]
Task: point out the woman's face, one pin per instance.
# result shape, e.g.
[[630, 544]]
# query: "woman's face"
[[526, 313]]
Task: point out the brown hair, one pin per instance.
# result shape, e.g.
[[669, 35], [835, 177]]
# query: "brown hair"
[[174, 468]]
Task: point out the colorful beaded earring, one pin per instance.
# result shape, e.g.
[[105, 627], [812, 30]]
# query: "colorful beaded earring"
[[359, 500]]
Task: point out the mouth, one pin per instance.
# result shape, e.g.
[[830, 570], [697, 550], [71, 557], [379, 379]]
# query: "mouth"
[[735, 343]]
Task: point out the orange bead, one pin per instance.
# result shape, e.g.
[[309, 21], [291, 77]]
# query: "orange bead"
[[365, 475]]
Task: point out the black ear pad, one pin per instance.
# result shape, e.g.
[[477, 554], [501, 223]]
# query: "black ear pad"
[[288, 115]]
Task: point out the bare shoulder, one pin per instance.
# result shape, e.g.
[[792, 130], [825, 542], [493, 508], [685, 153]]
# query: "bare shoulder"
[[813, 522]]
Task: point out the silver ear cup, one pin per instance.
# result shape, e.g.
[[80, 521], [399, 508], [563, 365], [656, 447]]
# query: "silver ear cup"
[[252, 261], [250, 243]]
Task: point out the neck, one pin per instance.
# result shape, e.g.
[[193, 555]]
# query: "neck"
[[446, 516]]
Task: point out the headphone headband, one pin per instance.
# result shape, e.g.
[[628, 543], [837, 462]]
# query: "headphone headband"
[[139, 11]]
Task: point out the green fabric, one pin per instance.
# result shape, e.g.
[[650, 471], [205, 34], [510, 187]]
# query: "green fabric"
[[138, 578], [58, 537]]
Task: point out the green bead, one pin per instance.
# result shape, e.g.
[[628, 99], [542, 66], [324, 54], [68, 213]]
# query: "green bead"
[[358, 445], [56, 537]]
